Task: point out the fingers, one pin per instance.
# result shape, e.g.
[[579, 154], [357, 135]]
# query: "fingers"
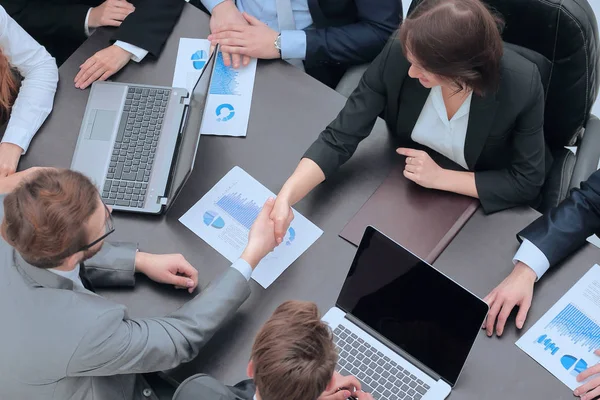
[[226, 56], [589, 390], [267, 209], [489, 299], [282, 223], [410, 175], [93, 76], [246, 60], [408, 152], [252, 20], [112, 22], [491, 318], [228, 28], [341, 395], [587, 373], [503, 316], [234, 50], [223, 35], [86, 72], [349, 382], [413, 168], [4, 172], [125, 5], [523, 310], [236, 60]]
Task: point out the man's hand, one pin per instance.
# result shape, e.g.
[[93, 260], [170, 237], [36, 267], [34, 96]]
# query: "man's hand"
[[342, 388], [421, 169], [282, 215], [254, 39], [261, 239], [101, 66], [10, 154], [589, 390], [226, 13], [172, 269], [110, 13], [515, 290]]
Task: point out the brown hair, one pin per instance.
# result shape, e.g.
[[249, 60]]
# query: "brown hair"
[[44, 217], [293, 354], [8, 88], [458, 40]]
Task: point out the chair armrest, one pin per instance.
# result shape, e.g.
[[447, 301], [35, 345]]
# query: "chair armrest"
[[588, 153]]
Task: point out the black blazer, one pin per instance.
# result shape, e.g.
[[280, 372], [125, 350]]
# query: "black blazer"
[[504, 145], [566, 227], [58, 25]]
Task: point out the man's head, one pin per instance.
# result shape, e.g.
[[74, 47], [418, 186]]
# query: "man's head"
[[53, 217], [293, 356]]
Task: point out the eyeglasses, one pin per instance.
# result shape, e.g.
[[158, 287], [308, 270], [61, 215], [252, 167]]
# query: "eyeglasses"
[[109, 228]]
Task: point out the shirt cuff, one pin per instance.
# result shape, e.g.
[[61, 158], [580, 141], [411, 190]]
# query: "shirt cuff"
[[137, 53], [18, 136], [86, 26], [533, 257], [244, 268], [210, 4], [293, 45]]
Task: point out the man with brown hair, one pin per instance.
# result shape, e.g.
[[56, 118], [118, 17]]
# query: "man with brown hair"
[[60, 340], [293, 358]]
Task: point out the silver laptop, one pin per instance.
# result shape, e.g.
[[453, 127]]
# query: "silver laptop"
[[402, 328], [138, 142]]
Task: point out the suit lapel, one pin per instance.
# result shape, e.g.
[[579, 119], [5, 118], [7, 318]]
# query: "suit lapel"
[[316, 13], [481, 116], [411, 100]]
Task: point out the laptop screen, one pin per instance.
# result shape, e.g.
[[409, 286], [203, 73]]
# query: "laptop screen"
[[412, 305]]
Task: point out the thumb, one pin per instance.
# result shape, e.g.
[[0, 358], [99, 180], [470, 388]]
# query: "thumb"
[[251, 20], [180, 281], [522, 314], [267, 209], [341, 395]]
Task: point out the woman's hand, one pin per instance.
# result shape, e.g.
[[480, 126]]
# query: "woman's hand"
[[283, 216], [421, 169]]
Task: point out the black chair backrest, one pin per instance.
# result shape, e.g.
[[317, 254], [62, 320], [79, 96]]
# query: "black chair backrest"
[[564, 34]]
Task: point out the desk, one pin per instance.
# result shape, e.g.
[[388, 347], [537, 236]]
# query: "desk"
[[289, 109]]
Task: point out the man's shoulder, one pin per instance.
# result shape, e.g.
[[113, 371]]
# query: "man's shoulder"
[[205, 387]]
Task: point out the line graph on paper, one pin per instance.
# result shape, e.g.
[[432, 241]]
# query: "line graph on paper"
[[575, 325], [225, 79]]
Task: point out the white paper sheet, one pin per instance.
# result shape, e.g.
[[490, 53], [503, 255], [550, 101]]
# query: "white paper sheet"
[[223, 218], [228, 105], [564, 340]]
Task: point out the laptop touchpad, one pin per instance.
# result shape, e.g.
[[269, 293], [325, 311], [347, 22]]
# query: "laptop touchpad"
[[101, 125]]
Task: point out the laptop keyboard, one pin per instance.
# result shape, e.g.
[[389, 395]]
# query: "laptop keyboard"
[[133, 153], [378, 374]]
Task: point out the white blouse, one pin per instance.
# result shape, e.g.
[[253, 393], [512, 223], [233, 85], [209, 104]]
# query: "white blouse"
[[40, 76], [434, 130]]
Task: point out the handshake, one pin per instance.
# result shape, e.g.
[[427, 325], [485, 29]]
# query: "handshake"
[[268, 231]]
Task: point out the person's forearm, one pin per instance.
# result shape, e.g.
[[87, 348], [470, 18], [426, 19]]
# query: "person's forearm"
[[458, 182], [304, 179]]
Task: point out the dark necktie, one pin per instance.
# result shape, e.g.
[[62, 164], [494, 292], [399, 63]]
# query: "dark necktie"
[[87, 283]]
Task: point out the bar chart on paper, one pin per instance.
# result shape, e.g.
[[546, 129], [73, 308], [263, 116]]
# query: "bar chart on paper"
[[564, 340], [224, 216]]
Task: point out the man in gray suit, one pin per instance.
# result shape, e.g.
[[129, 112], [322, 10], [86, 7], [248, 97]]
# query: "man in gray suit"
[[62, 341], [293, 358]]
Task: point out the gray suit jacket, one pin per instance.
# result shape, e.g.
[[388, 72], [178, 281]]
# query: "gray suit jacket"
[[59, 342], [204, 387]]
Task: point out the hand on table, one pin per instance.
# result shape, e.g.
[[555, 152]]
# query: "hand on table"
[[226, 13], [172, 269], [515, 290], [101, 66], [254, 39], [261, 239], [10, 154], [282, 215], [110, 13], [589, 390], [420, 168]]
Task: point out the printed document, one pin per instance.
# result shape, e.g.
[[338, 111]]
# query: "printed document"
[[564, 340], [223, 218], [228, 104]]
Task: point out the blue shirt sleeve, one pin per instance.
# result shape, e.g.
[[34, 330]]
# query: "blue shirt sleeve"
[[293, 45], [533, 257], [244, 268], [210, 4]]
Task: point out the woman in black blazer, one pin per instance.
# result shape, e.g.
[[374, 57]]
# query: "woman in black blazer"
[[445, 83]]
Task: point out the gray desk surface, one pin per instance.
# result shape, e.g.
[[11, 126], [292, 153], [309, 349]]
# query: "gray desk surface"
[[288, 110]]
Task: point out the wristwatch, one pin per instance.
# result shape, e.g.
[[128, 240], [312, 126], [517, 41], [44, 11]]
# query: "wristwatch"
[[278, 44]]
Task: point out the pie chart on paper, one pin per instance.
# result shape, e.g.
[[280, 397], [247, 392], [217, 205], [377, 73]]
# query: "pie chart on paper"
[[211, 218]]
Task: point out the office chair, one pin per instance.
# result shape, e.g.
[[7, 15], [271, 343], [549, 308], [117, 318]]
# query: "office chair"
[[561, 38]]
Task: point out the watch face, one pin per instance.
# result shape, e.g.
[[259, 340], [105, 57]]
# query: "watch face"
[[278, 42]]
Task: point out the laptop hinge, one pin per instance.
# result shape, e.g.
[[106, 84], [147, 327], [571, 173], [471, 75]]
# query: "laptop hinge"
[[393, 347]]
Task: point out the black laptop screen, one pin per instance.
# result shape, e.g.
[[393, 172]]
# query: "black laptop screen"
[[413, 305]]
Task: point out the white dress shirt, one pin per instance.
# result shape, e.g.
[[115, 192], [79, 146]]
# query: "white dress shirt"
[[533, 257], [293, 43], [434, 130], [40, 76], [137, 53]]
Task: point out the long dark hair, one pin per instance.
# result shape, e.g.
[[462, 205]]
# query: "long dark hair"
[[458, 40], [9, 88]]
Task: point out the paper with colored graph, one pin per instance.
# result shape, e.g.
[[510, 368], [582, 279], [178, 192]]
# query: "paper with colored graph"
[[224, 215], [564, 340], [228, 104]]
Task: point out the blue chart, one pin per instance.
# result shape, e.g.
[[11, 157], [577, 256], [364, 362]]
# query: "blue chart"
[[211, 218], [199, 59], [548, 344], [291, 236], [569, 361], [240, 208], [577, 326], [224, 79], [225, 112]]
